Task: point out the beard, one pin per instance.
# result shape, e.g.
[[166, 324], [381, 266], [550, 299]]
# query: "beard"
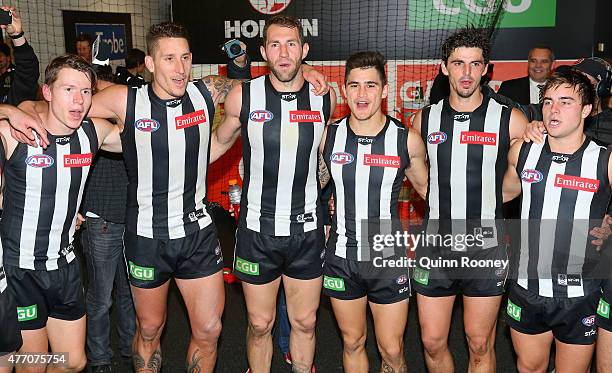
[[286, 76]]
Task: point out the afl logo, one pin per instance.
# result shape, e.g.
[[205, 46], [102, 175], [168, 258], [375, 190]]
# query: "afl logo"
[[269, 6], [342, 158], [147, 125], [261, 116], [589, 320], [531, 176], [39, 161], [436, 138], [401, 280]]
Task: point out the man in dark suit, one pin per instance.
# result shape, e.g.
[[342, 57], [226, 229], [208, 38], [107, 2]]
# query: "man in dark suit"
[[526, 90]]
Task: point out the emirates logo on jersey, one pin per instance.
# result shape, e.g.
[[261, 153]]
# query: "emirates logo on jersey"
[[436, 138], [261, 116], [146, 125], [39, 161], [269, 6], [305, 116], [478, 138], [78, 160], [377, 160], [531, 176], [576, 183], [342, 158], [189, 120]]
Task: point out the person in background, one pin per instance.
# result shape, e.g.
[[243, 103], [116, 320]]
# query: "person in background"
[[526, 90], [134, 66], [83, 45], [18, 81]]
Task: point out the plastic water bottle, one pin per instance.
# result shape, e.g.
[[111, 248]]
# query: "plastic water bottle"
[[235, 192]]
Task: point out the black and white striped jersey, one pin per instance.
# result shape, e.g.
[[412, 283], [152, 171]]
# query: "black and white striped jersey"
[[564, 196], [467, 154], [166, 146], [42, 194], [367, 175], [281, 133]]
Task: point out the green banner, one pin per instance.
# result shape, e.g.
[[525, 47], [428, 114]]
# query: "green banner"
[[452, 14]]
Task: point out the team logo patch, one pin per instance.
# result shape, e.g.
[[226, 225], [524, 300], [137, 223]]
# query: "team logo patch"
[[576, 183], [436, 138], [478, 138], [342, 158], [305, 116], [190, 120], [401, 280], [78, 160], [39, 161], [531, 176], [377, 160], [589, 320], [269, 6], [147, 125], [261, 116]]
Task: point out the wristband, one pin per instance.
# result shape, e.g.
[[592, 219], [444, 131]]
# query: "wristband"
[[16, 36]]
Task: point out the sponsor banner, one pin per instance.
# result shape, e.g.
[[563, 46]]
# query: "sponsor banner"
[[576, 183], [78, 160], [478, 138], [376, 160], [190, 120], [115, 29], [305, 116]]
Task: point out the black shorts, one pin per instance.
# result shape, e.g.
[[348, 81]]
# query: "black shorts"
[[572, 320], [43, 294], [262, 258], [439, 272], [10, 336], [152, 262], [603, 319], [350, 279]]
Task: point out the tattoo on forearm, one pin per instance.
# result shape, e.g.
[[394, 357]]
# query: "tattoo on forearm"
[[386, 368], [300, 368], [194, 365], [323, 172]]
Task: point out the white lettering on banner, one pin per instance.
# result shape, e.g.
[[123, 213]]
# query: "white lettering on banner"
[[117, 44], [471, 6], [412, 91], [253, 28]]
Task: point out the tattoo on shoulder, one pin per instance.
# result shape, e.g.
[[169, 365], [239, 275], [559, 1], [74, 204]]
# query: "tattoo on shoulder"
[[193, 366]]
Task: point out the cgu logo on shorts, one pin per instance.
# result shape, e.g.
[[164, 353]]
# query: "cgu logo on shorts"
[[190, 120], [513, 311], [342, 158], [269, 6], [78, 160], [27, 313], [246, 267], [261, 116], [141, 273], [146, 125], [333, 283], [39, 161], [531, 176], [603, 309], [436, 138]]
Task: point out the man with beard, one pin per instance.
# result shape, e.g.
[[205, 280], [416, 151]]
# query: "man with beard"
[[467, 137], [279, 232]]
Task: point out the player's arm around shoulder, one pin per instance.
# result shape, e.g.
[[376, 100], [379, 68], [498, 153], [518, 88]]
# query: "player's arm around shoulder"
[[512, 183], [416, 122], [224, 136], [8, 142], [109, 135], [518, 125], [110, 103], [417, 171]]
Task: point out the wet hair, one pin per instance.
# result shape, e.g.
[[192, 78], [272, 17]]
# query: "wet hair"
[[364, 60], [164, 30], [284, 21], [69, 61], [467, 38], [574, 79]]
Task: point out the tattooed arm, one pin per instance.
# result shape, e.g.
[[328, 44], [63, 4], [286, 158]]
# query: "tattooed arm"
[[323, 172], [219, 86]]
